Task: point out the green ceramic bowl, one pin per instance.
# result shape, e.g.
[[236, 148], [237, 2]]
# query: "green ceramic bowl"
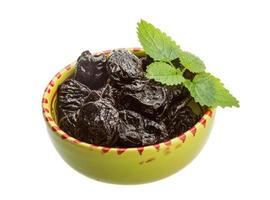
[[123, 165]]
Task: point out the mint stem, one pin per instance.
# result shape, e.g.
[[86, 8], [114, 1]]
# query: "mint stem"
[[170, 62]]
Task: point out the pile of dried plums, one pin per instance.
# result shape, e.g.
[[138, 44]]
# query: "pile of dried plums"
[[109, 102]]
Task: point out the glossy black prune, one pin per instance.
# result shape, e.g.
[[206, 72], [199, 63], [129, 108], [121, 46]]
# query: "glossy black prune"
[[136, 130], [146, 98], [71, 125], [111, 93], [71, 96], [101, 122], [146, 60], [124, 67], [91, 70], [132, 118], [110, 103], [156, 128], [179, 118], [178, 93]]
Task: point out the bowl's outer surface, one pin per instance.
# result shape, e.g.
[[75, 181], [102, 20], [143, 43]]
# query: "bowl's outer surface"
[[123, 165]]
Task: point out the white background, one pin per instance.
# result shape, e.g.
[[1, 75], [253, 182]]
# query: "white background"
[[37, 39]]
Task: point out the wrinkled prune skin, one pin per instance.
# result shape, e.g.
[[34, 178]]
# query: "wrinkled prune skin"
[[130, 134], [71, 125], [153, 127], [110, 103], [91, 70], [179, 118], [178, 93], [101, 122], [146, 98], [146, 60], [132, 118], [124, 67], [71, 96], [136, 130], [111, 93]]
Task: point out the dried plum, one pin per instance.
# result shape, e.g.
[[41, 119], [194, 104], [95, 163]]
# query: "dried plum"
[[146, 98], [91, 70], [69, 124], [101, 121], [146, 60], [178, 93], [111, 93], [156, 128], [110, 103], [124, 67], [136, 130], [132, 118], [179, 118], [129, 136], [71, 96]]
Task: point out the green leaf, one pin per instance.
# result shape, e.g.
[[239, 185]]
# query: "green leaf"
[[208, 90], [157, 44], [191, 62], [164, 73]]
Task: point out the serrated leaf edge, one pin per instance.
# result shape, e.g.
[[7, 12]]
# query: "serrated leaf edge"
[[166, 36]]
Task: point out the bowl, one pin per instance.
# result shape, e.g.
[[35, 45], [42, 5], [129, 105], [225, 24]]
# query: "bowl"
[[123, 165]]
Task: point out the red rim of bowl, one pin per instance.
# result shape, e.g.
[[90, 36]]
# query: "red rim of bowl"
[[182, 137]]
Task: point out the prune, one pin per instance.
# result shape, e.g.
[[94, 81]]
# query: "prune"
[[137, 130], [71, 96], [101, 122], [111, 93], [132, 118], [155, 128], [178, 93], [71, 125], [124, 67], [110, 103], [129, 136], [146, 60], [146, 98], [179, 118], [91, 70]]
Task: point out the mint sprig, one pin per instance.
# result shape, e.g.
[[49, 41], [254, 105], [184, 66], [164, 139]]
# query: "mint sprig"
[[191, 62], [208, 90], [204, 88], [157, 44], [164, 73]]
